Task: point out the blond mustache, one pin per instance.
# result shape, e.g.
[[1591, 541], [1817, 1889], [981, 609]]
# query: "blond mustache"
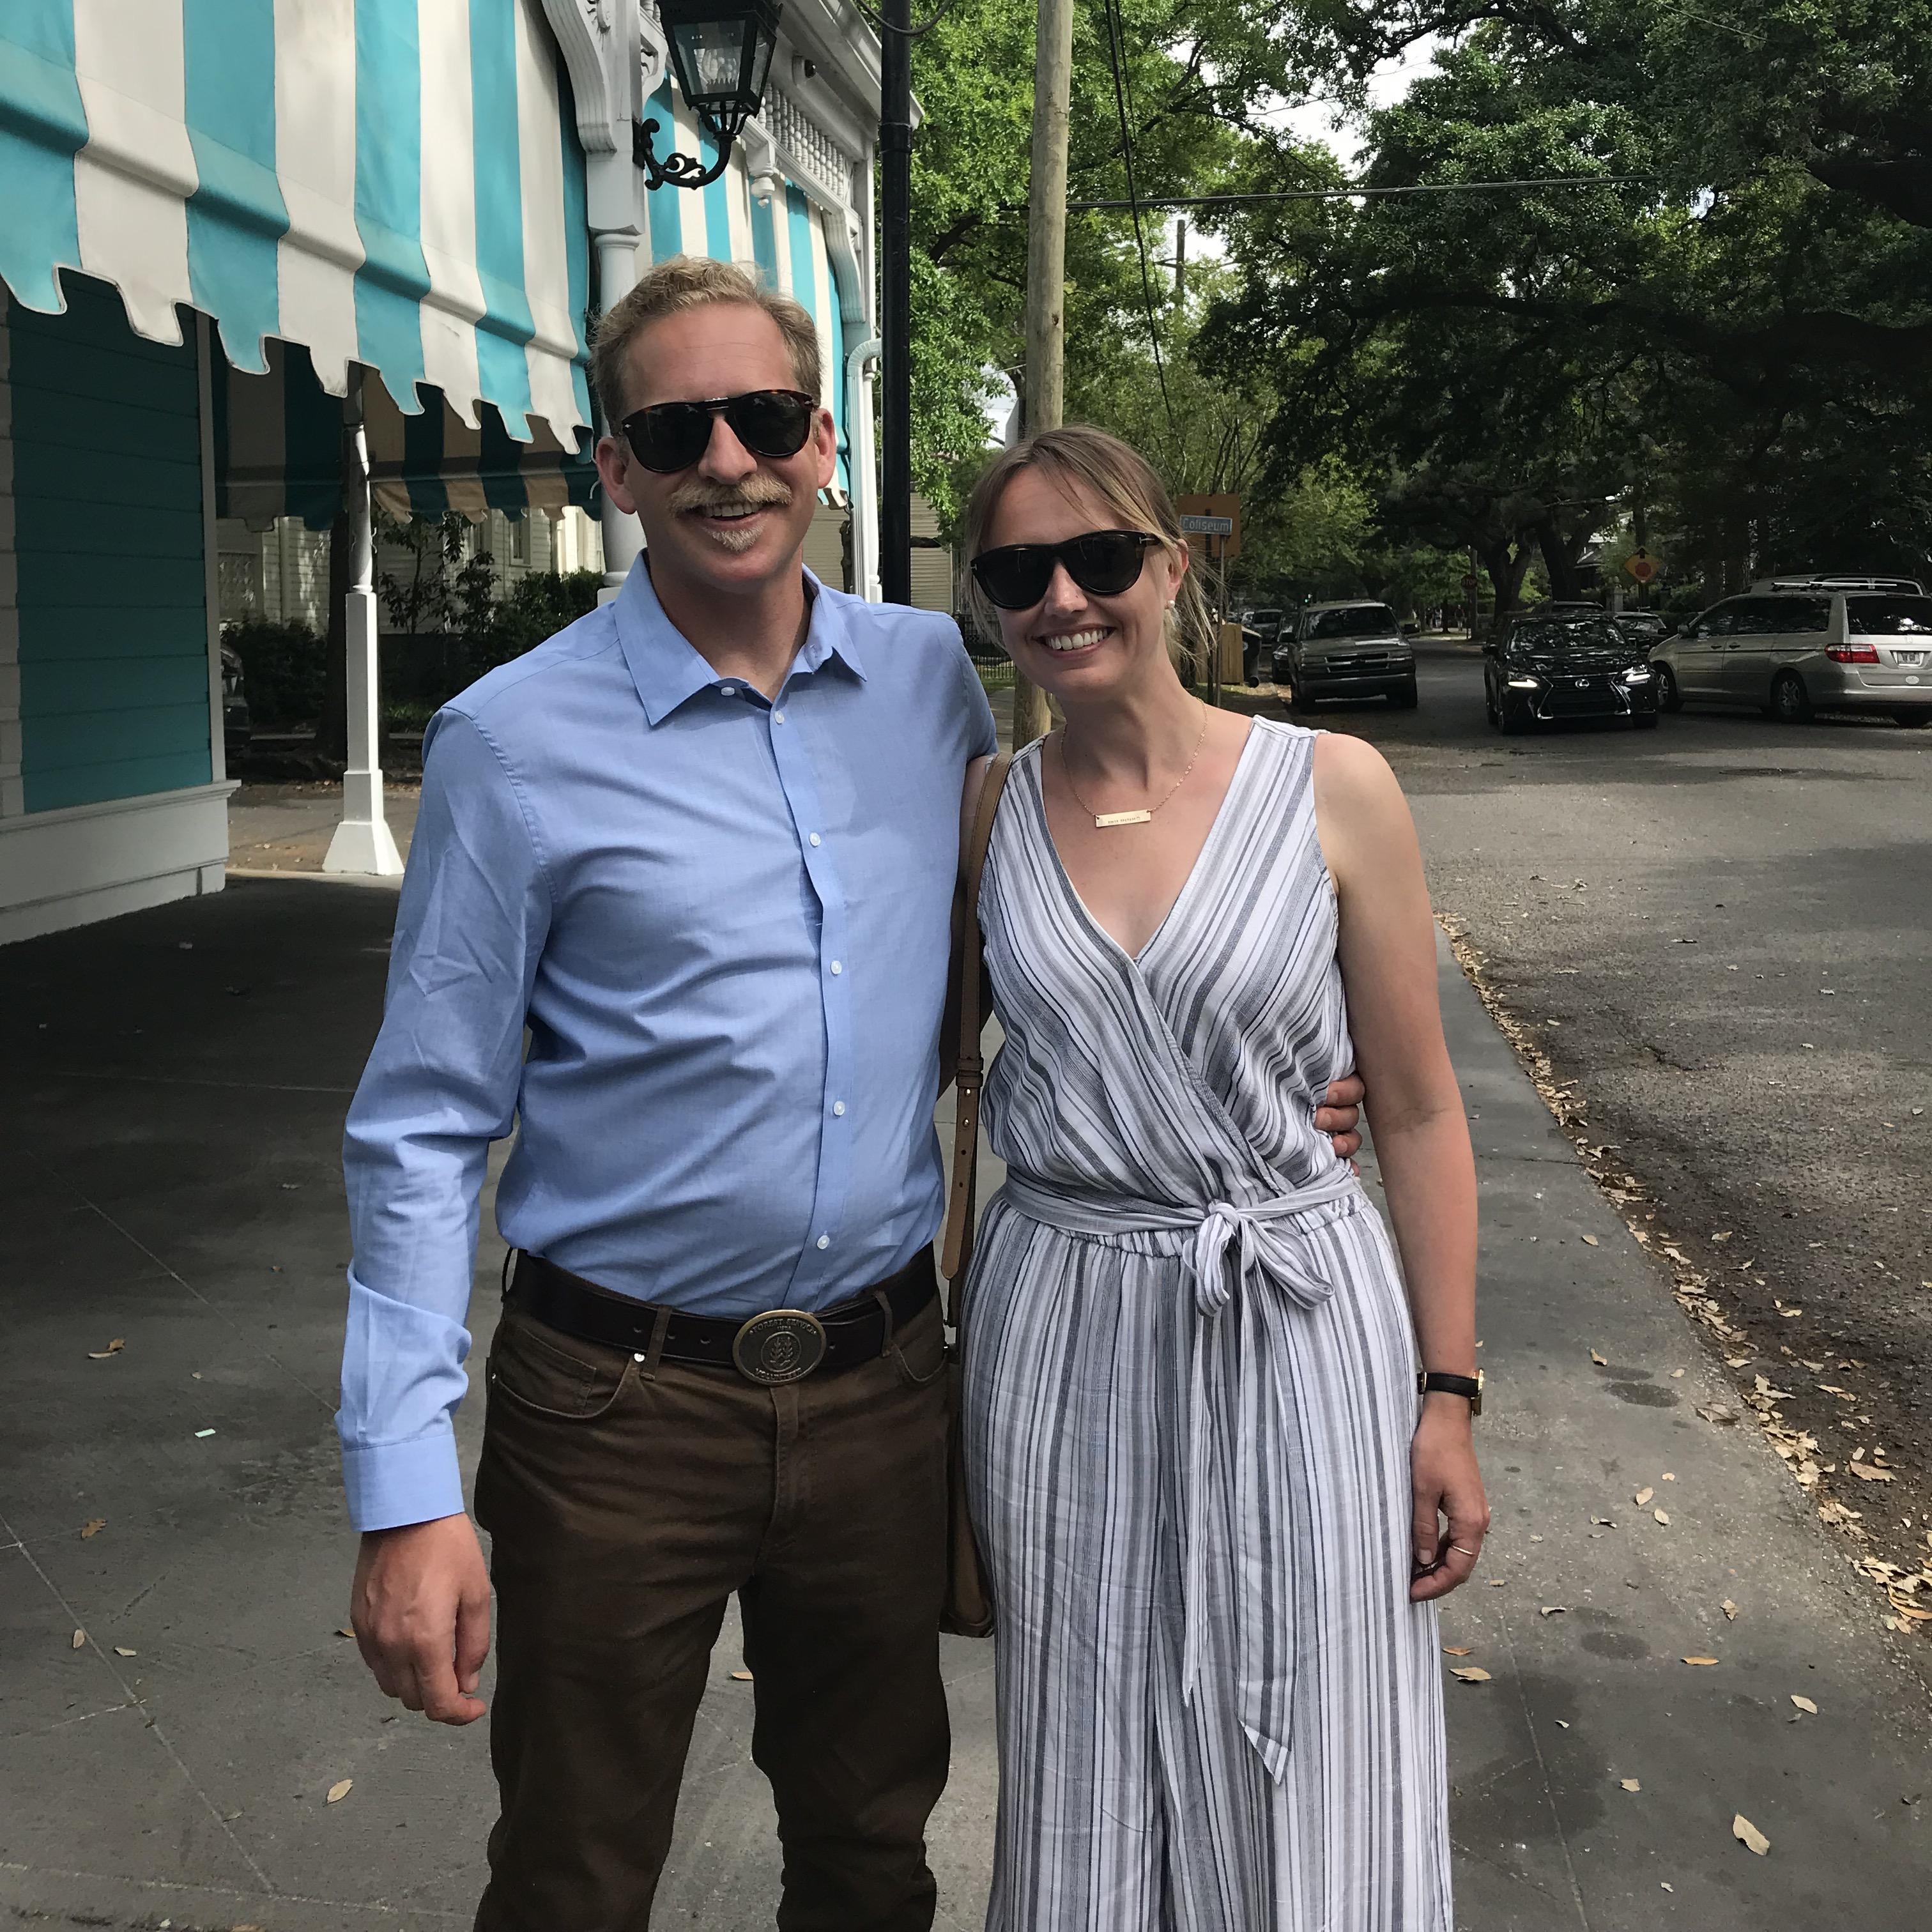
[[761, 492]]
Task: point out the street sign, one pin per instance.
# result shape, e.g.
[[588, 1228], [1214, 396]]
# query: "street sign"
[[1222, 528], [1641, 565], [1469, 583]]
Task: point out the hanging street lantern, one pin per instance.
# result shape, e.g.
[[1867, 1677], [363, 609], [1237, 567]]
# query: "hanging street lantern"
[[720, 51]]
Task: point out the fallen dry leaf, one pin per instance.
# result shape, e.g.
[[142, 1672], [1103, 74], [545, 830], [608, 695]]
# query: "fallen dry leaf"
[[94, 1525], [741, 1677], [1457, 1649], [1644, 1494], [1630, 1784], [1471, 1673], [1700, 1659], [1552, 1609], [122, 1650], [80, 1640], [345, 1631], [1496, 1582], [1746, 1833], [113, 1348], [1867, 1473], [1589, 1241], [1663, 1516], [1805, 1703], [341, 1790], [1598, 1360], [1730, 1609]]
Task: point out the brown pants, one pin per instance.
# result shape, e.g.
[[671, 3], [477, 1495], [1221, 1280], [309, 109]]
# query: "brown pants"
[[625, 1506]]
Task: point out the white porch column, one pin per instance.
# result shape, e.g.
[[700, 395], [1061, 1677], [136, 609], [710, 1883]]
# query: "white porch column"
[[623, 535], [363, 842]]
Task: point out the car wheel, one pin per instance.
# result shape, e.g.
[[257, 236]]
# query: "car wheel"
[[1402, 698], [1912, 720], [1645, 721], [1790, 702], [1669, 697], [1516, 720], [1490, 712], [1298, 699]]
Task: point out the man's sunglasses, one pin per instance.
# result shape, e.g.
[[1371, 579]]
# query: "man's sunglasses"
[[671, 436], [1103, 563]]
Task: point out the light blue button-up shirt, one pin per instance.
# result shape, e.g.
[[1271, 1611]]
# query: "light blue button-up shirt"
[[724, 921]]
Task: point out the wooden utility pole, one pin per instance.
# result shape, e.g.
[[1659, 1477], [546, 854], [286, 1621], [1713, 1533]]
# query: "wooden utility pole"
[[1045, 390]]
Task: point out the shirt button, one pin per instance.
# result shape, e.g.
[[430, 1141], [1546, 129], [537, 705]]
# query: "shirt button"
[[724, 690], [836, 967], [838, 1108], [778, 717], [825, 1240], [815, 838]]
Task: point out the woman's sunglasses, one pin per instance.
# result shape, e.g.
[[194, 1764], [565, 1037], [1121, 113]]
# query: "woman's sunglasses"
[[1103, 563], [671, 436]]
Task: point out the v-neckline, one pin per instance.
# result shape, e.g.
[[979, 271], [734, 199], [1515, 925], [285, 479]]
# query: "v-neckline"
[[1136, 959]]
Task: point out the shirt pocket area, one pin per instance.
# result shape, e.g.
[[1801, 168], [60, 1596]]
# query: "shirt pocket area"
[[549, 1373]]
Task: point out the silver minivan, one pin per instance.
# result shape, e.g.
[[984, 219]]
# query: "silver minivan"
[[1791, 652]]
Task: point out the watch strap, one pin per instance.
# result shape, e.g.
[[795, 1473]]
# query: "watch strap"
[[1431, 1382]]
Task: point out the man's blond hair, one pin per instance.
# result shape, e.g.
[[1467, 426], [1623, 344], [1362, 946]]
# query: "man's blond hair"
[[684, 282]]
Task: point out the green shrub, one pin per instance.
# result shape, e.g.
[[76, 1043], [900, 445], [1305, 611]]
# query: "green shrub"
[[535, 607], [283, 670]]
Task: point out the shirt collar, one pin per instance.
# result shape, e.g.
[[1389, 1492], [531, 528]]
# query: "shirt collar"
[[667, 672]]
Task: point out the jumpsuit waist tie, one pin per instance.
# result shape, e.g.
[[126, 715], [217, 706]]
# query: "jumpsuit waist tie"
[[1239, 1250]]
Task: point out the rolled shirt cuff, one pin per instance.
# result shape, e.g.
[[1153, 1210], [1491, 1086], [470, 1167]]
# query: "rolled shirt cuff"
[[392, 1484]]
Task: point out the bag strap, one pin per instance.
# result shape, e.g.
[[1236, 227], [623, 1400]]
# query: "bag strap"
[[956, 1248]]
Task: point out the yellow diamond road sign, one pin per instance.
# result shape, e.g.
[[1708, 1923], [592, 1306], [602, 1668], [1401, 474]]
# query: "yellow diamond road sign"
[[1641, 565]]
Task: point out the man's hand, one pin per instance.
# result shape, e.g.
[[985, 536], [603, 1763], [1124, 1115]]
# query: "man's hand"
[[421, 1609], [1340, 1109]]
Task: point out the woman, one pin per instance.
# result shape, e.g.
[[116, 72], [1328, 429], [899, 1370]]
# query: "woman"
[[1210, 1491]]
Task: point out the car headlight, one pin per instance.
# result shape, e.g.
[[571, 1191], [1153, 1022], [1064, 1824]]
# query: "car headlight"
[[1523, 683], [1637, 674]]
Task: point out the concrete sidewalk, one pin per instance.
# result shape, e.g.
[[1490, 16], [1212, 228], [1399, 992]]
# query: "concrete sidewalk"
[[172, 1086]]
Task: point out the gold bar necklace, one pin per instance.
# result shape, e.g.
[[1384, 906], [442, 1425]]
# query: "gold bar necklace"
[[1103, 820]]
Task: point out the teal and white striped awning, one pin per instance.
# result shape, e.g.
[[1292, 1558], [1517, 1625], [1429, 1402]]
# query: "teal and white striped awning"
[[394, 183], [278, 453]]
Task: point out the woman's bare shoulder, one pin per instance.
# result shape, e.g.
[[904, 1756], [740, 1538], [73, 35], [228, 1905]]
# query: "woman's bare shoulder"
[[1350, 774]]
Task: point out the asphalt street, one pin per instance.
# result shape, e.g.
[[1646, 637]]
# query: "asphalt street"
[[1720, 932]]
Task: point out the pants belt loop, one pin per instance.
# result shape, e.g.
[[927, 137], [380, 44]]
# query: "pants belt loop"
[[887, 1344], [654, 1350], [509, 1261]]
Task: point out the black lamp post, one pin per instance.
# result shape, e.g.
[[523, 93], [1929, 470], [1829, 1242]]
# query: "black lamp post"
[[721, 52]]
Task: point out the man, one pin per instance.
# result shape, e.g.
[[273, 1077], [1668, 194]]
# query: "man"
[[700, 847]]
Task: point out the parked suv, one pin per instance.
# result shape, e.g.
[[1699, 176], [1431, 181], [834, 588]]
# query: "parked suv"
[[1567, 666], [1354, 648], [1791, 652]]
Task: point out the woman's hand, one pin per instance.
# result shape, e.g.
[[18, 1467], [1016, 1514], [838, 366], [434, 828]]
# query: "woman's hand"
[[1445, 1482]]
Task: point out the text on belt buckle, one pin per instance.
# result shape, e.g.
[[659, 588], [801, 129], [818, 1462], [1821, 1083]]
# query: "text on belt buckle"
[[783, 1345]]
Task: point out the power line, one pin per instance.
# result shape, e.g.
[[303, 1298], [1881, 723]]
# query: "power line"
[[1117, 60], [919, 32], [1346, 194]]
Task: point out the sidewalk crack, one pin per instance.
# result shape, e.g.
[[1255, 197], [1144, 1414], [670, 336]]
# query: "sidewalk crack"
[[180, 1280], [151, 1724], [1542, 1771]]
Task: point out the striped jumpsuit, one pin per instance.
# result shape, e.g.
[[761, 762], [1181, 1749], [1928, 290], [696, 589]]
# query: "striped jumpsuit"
[[1190, 1388]]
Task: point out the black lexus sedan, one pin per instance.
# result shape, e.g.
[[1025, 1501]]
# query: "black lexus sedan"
[[1547, 668]]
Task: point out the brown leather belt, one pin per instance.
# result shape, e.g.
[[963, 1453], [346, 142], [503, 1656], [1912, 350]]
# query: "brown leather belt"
[[782, 1345]]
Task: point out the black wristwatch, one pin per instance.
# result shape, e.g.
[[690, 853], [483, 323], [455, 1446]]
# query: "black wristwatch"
[[1428, 1382]]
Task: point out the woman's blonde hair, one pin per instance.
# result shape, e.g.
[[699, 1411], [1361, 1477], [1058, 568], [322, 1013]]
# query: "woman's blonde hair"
[[1117, 476]]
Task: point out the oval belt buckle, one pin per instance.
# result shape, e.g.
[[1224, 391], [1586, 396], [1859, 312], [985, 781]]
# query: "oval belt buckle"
[[783, 1345]]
